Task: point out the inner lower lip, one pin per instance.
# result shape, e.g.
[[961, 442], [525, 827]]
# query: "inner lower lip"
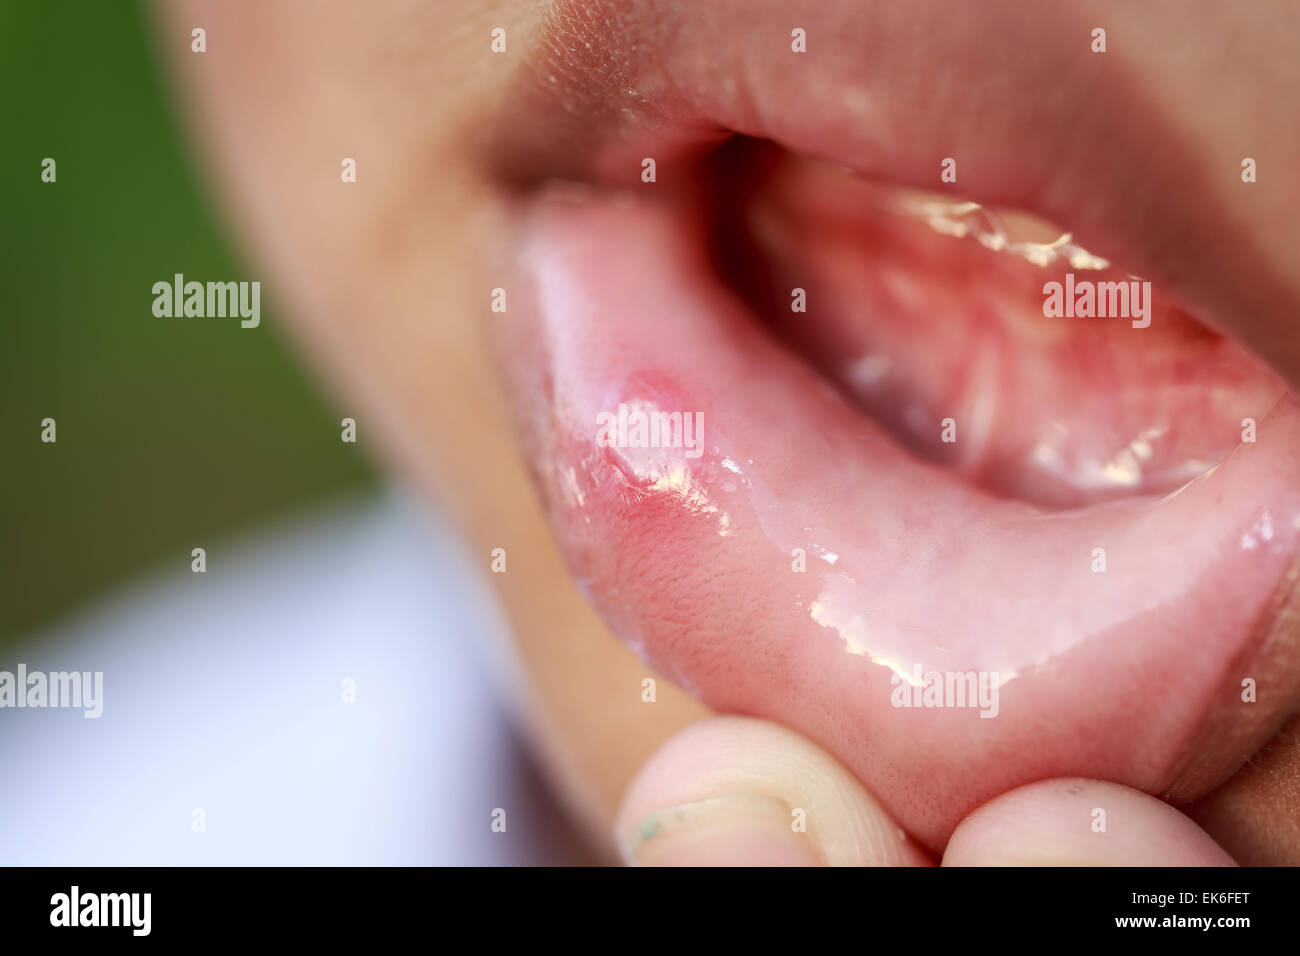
[[691, 560], [916, 327]]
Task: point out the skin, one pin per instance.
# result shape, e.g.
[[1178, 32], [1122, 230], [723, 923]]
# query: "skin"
[[385, 290]]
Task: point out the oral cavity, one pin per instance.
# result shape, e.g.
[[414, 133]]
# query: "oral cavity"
[[989, 342]]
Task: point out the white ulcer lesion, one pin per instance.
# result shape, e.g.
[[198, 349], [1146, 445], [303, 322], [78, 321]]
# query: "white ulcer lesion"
[[1129, 467], [1259, 534], [971, 220], [871, 370], [678, 482], [1123, 469]]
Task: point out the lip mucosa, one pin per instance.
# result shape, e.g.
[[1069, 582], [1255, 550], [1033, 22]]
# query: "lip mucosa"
[[805, 563], [922, 309], [807, 568]]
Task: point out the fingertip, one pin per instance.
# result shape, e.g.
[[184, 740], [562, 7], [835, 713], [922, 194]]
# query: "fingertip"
[[1076, 822], [734, 791]]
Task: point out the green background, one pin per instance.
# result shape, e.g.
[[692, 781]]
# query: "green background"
[[170, 431]]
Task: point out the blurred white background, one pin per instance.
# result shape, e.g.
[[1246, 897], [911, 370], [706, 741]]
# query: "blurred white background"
[[222, 692]]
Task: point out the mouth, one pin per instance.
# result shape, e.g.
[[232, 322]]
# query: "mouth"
[[815, 448]]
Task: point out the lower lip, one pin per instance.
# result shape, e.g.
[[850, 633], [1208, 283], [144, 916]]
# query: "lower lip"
[[803, 568]]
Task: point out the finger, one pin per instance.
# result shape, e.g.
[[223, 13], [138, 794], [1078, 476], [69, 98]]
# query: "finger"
[[734, 791], [1073, 822]]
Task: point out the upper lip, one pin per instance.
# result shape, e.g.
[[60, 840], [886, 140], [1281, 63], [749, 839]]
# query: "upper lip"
[[1007, 89], [616, 82]]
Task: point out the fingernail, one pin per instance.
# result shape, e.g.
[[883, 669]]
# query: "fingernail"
[[736, 829]]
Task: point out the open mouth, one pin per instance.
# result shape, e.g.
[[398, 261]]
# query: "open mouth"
[[824, 449]]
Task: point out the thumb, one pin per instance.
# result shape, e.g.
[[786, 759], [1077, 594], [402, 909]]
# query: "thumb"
[[1072, 822], [733, 791]]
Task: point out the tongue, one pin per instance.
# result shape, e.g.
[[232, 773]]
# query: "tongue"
[[804, 568], [945, 342]]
